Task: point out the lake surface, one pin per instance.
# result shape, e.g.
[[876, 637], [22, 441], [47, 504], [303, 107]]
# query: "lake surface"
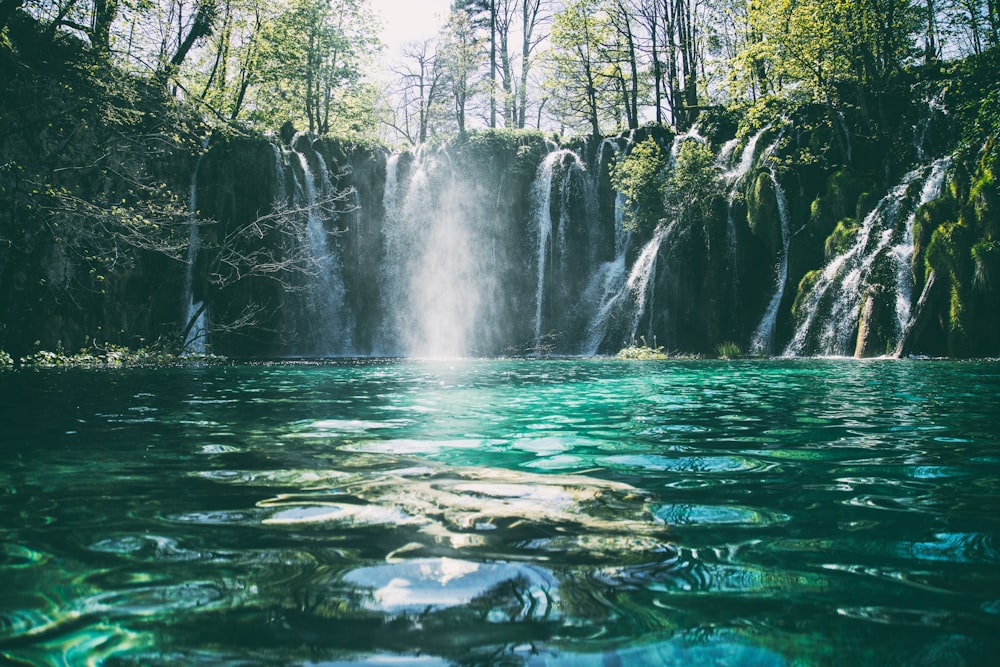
[[563, 512]]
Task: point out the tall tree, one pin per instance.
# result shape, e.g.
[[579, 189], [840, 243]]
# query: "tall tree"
[[314, 53], [533, 16], [460, 59], [577, 74], [623, 56], [421, 79]]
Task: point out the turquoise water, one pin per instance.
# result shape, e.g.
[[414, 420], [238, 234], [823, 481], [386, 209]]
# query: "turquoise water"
[[565, 512]]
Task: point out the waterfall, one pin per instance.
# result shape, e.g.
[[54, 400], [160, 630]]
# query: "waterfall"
[[734, 178], [541, 198], [393, 270], [624, 303], [763, 337], [902, 253], [606, 286], [935, 106], [883, 247], [433, 279], [326, 326], [196, 312]]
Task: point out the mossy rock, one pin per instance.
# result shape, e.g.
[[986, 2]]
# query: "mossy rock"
[[841, 239], [806, 285], [762, 212], [867, 201]]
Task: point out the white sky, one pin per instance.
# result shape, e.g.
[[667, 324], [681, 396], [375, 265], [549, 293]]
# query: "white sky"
[[409, 20]]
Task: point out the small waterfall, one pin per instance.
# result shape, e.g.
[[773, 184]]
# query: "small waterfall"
[[902, 253], [734, 178], [541, 198], [935, 107], [624, 303], [196, 312], [608, 280], [883, 247], [763, 337], [326, 326]]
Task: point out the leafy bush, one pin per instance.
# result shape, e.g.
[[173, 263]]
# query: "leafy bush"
[[694, 182], [642, 352], [640, 177], [728, 350]]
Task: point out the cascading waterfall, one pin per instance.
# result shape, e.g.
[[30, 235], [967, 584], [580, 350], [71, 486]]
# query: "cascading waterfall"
[[326, 328], [902, 253], [546, 254], [832, 307], [628, 294], [631, 300], [734, 178], [196, 312], [446, 286], [457, 261], [610, 277], [763, 336], [541, 197]]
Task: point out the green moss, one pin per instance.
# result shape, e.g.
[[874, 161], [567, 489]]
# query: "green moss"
[[762, 211], [841, 239], [805, 287]]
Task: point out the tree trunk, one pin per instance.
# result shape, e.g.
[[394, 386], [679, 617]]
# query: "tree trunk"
[[493, 63], [200, 27], [105, 12]]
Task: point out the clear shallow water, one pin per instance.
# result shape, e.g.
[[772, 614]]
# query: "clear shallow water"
[[569, 512]]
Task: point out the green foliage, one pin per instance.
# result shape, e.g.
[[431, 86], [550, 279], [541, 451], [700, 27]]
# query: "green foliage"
[[639, 176], [643, 352], [518, 151], [311, 67], [806, 285], [823, 44], [578, 75], [975, 96], [728, 350], [5, 360], [693, 183], [841, 239], [109, 356]]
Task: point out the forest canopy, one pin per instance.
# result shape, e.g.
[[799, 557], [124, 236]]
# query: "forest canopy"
[[576, 66]]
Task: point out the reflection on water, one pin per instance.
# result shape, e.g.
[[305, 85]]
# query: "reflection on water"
[[567, 512]]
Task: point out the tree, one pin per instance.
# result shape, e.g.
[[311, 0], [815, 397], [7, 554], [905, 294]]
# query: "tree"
[[201, 25], [483, 15], [312, 59], [421, 85], [639, 176], [577, 74], [533, 17], [623, 58], [460, 57]]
